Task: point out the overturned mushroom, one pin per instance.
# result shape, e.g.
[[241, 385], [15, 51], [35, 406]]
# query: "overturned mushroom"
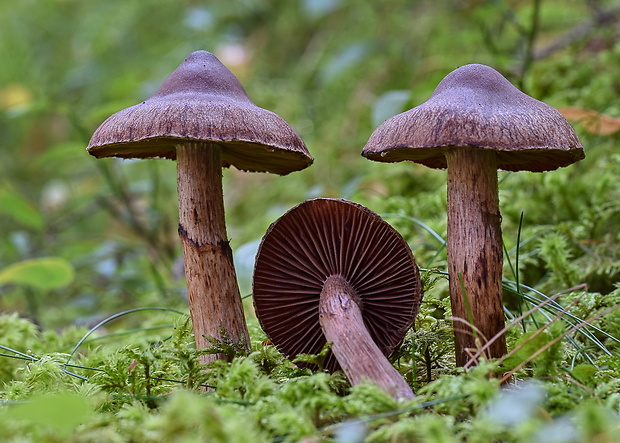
[[331, 270], [202, 118], [475, 122]]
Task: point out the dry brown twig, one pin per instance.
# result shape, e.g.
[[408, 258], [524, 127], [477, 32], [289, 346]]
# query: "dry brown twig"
[[555, 340], [488, 343], [580, 31]]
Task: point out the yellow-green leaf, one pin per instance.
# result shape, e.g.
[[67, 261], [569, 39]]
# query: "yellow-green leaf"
[[42, 273], [20, 209]]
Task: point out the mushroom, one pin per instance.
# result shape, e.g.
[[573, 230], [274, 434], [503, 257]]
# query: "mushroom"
[[202, 117], [331, 270], [475, 122]]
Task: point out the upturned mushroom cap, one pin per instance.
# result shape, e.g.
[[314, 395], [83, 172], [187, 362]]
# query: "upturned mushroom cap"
[[202, 101], [321, 238], [475, 106]]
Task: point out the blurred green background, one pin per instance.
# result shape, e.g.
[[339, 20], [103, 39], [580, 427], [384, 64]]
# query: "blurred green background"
[[334, 70]]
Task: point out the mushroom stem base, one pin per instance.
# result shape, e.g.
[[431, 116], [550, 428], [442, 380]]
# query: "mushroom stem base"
[[361, 359], [213, 293], [475, 251]]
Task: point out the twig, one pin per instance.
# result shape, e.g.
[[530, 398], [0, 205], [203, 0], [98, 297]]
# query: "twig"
[[606, 18], [521, 317], [528, 56], [557, 339]]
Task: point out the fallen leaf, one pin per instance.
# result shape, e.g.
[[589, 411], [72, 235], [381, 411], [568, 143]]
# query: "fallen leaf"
[[592, 121]]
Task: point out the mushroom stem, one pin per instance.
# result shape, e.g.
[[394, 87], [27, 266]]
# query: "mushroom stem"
[[340, 316], [475, 249], [213, 293]]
